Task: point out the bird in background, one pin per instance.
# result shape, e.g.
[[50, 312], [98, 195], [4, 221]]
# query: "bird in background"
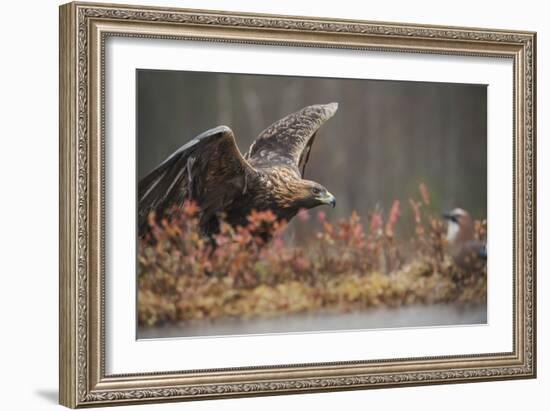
[[468, 253], [211, 171]]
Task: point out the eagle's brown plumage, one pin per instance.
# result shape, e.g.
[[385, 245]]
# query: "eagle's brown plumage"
[[211, 171]]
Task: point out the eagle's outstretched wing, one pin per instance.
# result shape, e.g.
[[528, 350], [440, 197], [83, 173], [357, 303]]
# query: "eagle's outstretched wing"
[[209, 170], [287, 142]]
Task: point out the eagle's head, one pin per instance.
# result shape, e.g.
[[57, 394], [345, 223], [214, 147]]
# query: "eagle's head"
[[308, 194]]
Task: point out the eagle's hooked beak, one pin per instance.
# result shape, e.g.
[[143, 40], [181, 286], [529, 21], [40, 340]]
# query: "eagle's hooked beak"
[[328, 199]]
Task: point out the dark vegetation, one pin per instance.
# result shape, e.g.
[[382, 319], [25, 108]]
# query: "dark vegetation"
[[355, 264]]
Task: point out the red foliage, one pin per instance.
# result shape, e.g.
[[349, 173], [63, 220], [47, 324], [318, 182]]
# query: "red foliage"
[[183, 275]]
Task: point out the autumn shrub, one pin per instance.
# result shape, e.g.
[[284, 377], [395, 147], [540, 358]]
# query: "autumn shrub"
[[353, 264]]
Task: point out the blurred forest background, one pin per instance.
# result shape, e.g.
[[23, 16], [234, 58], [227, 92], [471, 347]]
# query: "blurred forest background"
[[385, 139]]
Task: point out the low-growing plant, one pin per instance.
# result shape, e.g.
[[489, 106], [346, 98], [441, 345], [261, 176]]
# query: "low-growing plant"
[[355, 263]]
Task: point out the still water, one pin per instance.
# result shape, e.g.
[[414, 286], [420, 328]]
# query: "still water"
[[412, 316]]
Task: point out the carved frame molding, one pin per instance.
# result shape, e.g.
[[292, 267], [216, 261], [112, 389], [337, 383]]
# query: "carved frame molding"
[[84, 27]]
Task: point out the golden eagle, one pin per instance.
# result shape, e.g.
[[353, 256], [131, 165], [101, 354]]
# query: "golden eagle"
[[211, 171]]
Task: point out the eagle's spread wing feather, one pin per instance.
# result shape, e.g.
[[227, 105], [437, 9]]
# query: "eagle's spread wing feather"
[[209, 170], [287, 142]]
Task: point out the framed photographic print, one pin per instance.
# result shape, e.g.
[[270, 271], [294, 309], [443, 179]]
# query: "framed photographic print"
[[258, 204]]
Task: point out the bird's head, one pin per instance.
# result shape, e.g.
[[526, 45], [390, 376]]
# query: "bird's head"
[[309, 194], [460, 225]]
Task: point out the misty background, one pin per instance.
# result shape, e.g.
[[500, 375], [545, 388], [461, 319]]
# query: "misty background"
[[385, 139]]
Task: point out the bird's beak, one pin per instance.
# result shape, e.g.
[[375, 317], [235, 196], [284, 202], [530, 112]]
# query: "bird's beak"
[[449, 216], [328, 199]]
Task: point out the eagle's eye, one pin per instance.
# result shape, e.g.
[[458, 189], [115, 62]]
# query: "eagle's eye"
[[315, 190]]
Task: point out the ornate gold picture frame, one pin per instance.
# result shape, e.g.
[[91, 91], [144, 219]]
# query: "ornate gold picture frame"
[[84, 30]]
